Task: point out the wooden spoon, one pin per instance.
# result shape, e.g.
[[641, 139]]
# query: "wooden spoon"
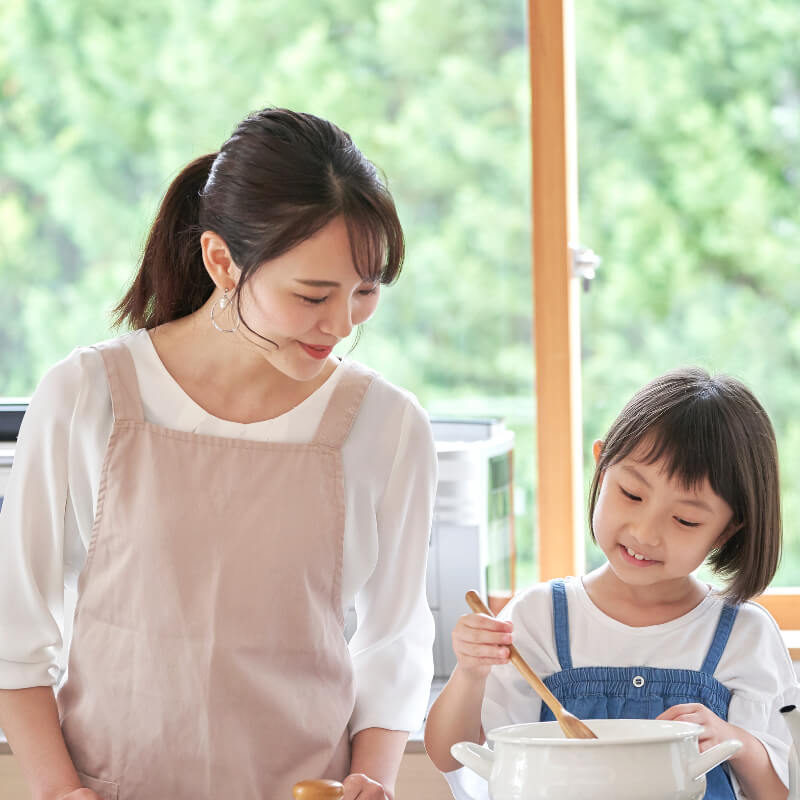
[[573, 728], [318, 790]]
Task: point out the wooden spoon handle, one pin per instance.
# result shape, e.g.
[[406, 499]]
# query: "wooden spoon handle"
[[479, 607], [318, 790]]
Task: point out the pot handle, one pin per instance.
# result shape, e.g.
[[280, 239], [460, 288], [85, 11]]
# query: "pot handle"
[[713, 757], [478, 759]]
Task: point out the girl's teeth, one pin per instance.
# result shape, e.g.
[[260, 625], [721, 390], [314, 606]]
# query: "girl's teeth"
[[636, 555]]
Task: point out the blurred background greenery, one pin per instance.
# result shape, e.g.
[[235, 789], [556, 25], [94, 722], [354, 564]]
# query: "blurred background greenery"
[[688, 124]]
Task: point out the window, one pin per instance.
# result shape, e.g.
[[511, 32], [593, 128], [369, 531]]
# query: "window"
[[687, 173]]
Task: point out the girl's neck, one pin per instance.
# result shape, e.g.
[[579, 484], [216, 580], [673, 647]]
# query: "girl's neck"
[[641, 606]]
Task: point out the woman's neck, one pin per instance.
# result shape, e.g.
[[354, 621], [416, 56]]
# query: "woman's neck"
[[641, 606], [227, 376]]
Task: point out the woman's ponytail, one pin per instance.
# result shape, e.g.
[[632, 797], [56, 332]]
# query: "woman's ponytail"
[[171, 281]]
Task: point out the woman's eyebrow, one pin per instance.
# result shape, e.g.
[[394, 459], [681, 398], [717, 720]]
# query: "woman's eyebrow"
[[311, 282]]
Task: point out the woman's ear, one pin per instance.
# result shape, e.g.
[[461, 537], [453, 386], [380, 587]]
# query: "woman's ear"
[[597, 449], [218, 261]]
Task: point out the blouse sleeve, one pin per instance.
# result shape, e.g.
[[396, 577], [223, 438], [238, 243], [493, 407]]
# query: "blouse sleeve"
[[392, 646], [32, 536]]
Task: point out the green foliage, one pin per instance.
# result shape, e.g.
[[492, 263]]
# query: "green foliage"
[[688, 125]]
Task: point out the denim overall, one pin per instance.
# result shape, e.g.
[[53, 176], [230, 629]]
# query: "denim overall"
[[639, 692]]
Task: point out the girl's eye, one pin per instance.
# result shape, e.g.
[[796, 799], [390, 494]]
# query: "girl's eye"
[[366, 292], [314, 301], [686, 523], [629, 495]]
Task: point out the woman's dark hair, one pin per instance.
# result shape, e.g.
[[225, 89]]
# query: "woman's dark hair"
[[711, 428], [279, 178]]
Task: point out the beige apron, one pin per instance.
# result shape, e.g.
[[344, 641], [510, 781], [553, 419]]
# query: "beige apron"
[[208, 659]]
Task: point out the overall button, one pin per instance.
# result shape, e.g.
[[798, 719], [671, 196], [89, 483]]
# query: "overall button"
[[638, 681]]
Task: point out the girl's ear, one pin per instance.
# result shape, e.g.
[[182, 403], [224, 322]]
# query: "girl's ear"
[[731, 529], [597, 449]]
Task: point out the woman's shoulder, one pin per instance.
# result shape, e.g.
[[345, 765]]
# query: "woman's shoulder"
[[395, 411], [389, 393], [84, 364]]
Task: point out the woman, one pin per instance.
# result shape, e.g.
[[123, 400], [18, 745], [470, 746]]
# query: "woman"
[[220, 487]]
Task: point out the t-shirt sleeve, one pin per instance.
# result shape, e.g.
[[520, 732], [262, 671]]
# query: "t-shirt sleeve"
[[767, 682], [392, 646]]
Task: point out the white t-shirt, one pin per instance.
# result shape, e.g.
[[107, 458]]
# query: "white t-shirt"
[[390, 470], [755, 665]]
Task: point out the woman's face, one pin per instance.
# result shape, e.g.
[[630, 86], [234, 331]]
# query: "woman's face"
[[306, 301]]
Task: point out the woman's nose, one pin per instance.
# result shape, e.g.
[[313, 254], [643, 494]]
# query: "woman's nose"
[[339, 322]]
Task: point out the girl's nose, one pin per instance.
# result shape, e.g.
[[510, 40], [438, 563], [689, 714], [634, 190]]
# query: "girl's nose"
[[646, 534]]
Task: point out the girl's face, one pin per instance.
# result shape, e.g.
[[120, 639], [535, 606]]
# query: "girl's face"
[[306, 301], [652, 529]]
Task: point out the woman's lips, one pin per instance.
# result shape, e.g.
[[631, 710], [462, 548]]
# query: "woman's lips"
[[316, 351], [633, 560]]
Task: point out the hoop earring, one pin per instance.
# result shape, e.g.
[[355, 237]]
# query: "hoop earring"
[[224, 302]]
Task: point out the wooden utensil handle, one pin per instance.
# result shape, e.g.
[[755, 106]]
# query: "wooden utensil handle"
[[318, 790], [479, 607]]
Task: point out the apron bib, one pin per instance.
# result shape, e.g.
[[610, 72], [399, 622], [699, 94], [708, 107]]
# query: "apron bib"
[[208, 657], [639, 692]]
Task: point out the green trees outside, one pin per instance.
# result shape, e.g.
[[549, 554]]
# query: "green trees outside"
[[689, 119]]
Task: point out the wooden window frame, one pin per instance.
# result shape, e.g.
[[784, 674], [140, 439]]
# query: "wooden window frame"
[[556, 301]]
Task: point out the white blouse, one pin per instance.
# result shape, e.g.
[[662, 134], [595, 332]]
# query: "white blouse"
[[47, 515]]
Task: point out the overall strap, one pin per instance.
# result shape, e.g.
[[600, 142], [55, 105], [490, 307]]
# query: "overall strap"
[[334, 427], [126, 402], [726, 618], [561, 623]]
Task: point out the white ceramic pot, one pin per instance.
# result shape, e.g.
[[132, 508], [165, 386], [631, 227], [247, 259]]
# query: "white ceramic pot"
[[631, 759]]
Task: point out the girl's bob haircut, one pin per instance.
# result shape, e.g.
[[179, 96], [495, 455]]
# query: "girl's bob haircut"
[[713, 428]]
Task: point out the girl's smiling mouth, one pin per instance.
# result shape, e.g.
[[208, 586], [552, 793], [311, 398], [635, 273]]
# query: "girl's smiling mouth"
[[637, 559]]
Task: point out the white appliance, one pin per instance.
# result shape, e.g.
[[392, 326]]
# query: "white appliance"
[[472, 536]]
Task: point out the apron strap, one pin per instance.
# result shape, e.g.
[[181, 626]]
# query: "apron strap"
[[126, 401], [724, 626], [561, 623], [334, 427]]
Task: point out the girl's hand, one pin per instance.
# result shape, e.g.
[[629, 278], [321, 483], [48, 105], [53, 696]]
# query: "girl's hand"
[[715, 729], [481, 642], [80, 794], [360, 786]]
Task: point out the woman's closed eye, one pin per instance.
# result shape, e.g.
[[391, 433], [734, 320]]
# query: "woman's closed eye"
[[314, 301]]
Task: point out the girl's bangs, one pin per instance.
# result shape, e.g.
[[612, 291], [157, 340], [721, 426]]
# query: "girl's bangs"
[[692, 447]]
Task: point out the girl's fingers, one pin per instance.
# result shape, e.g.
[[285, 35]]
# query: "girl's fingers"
[[483, 651], [482, 635], [674, 712], [482, 622]]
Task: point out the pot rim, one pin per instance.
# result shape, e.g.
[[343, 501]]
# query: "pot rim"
[[681, 730]]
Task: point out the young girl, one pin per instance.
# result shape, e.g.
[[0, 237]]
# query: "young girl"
[[220, 488], [688, 472]]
